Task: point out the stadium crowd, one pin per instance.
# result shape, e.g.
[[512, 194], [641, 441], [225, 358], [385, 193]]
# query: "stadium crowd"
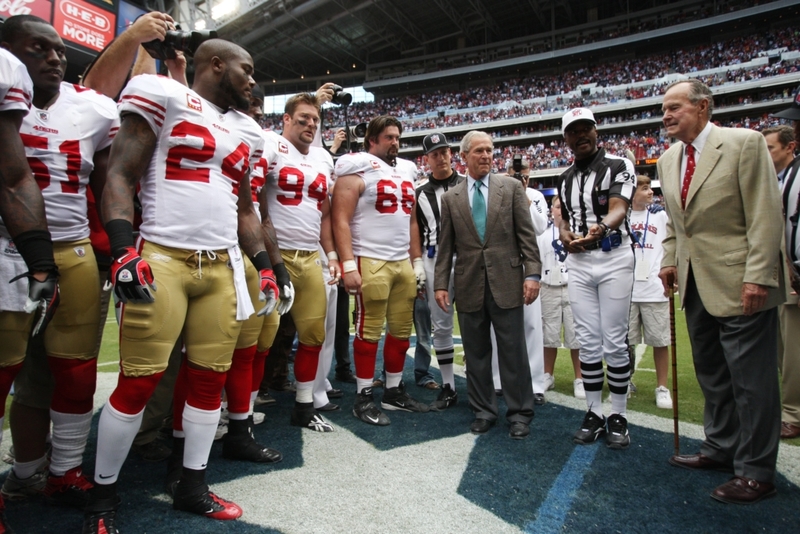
[[201, 298]]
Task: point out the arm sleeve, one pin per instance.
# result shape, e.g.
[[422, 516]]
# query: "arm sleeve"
[[16, 88]]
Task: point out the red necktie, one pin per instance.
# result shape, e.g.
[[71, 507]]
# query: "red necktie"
[[687, 176]]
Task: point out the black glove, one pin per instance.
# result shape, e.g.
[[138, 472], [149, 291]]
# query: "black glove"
[[43, 296]]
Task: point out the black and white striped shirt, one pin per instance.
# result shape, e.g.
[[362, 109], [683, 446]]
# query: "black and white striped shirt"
[[586, 192], [429, 203]]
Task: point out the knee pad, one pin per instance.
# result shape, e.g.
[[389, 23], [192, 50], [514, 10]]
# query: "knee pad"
[[133, 392], [75, 382]]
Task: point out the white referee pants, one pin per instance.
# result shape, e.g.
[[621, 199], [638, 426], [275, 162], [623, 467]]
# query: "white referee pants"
[[321, 383], [441, 321], [534, 340], [600, 287]]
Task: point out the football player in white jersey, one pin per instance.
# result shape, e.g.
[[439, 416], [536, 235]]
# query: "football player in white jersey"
[[375, 226], [67, 136], [188, 148], [295, 203], [22, 209]]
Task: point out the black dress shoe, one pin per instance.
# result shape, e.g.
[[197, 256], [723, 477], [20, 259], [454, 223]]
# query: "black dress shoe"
[[519, 430], [480, 426], [330, 407], [741, 490], [335, 393], [538, 399], [699, 462], [349, 378]]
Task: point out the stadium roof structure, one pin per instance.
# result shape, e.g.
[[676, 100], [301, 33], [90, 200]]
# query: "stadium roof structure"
[[297, 44]]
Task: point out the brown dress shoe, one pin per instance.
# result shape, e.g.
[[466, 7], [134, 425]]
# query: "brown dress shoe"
[[789, 431], [697, 462], [741, 490]]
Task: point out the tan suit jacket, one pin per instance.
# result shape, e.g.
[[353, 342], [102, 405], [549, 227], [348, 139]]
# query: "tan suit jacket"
[[732, 229], [510, 244]]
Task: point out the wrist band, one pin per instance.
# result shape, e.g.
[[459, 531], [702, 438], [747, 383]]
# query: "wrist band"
[[349, 266], [333, 256]]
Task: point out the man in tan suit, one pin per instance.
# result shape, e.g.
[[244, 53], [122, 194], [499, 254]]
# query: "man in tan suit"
[[723, 246], [485, 222]]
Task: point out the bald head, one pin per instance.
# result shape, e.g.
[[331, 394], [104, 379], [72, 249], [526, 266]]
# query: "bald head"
[[226, 51], [223, 74]]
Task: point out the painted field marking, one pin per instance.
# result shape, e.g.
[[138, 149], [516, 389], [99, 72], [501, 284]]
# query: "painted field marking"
[[553, 510]]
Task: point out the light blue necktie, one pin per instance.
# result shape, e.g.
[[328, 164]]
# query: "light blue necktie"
[[479, 209]]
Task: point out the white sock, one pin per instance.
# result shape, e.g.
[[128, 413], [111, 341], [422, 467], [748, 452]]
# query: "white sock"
[[305, 392], [253, 395], [619, 404], [199, 426], [115, 434], [237, 416], [70, 432], [25, 470], [393, 379], [448, 376], [362, 383], [594, 400]]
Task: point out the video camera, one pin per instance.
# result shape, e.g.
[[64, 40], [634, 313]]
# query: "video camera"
[[178, 40]]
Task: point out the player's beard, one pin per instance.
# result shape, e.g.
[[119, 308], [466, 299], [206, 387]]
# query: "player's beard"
[[238, 98]]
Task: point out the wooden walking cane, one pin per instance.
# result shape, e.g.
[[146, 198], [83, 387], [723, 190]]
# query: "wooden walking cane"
[[674, 351]]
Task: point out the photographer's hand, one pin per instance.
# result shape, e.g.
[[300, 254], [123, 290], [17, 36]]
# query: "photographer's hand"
[[325, 93]]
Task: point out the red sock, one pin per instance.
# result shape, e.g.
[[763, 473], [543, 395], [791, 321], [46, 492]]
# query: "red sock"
[[259, 359], [179, 395], [239, 380], [365, 353], [132, 392], [205, 389], [394, 353], [75, 382], [305, 363]]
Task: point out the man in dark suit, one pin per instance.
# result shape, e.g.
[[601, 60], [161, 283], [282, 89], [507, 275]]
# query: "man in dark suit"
[[723, 246], [485, 222]]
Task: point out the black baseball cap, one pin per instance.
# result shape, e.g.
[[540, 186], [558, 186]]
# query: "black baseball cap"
[[434, 141], [793, 111]]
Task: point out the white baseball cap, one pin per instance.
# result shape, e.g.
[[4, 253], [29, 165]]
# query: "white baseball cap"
[[577, 114]]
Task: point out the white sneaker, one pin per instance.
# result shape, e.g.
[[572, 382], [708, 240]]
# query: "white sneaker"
[[222, 429], [663, 398], [258, 418], [577, 389], [549, 382]]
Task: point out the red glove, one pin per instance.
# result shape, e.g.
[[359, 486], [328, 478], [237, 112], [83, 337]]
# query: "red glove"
[[132, 278]]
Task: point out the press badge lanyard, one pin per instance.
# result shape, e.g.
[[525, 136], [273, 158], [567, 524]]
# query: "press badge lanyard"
[[643, 267]]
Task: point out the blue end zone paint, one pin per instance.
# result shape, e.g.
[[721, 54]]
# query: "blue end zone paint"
[[553, 511]]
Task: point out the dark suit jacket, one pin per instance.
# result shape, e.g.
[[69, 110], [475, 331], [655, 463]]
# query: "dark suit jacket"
[[510, 243]]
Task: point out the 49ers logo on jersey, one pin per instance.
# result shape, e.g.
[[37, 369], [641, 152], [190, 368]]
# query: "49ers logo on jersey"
[[283, 148], [375, 165], [194, 102]]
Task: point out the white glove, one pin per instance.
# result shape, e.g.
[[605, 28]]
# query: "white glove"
[[286, 299], [419, 272]]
